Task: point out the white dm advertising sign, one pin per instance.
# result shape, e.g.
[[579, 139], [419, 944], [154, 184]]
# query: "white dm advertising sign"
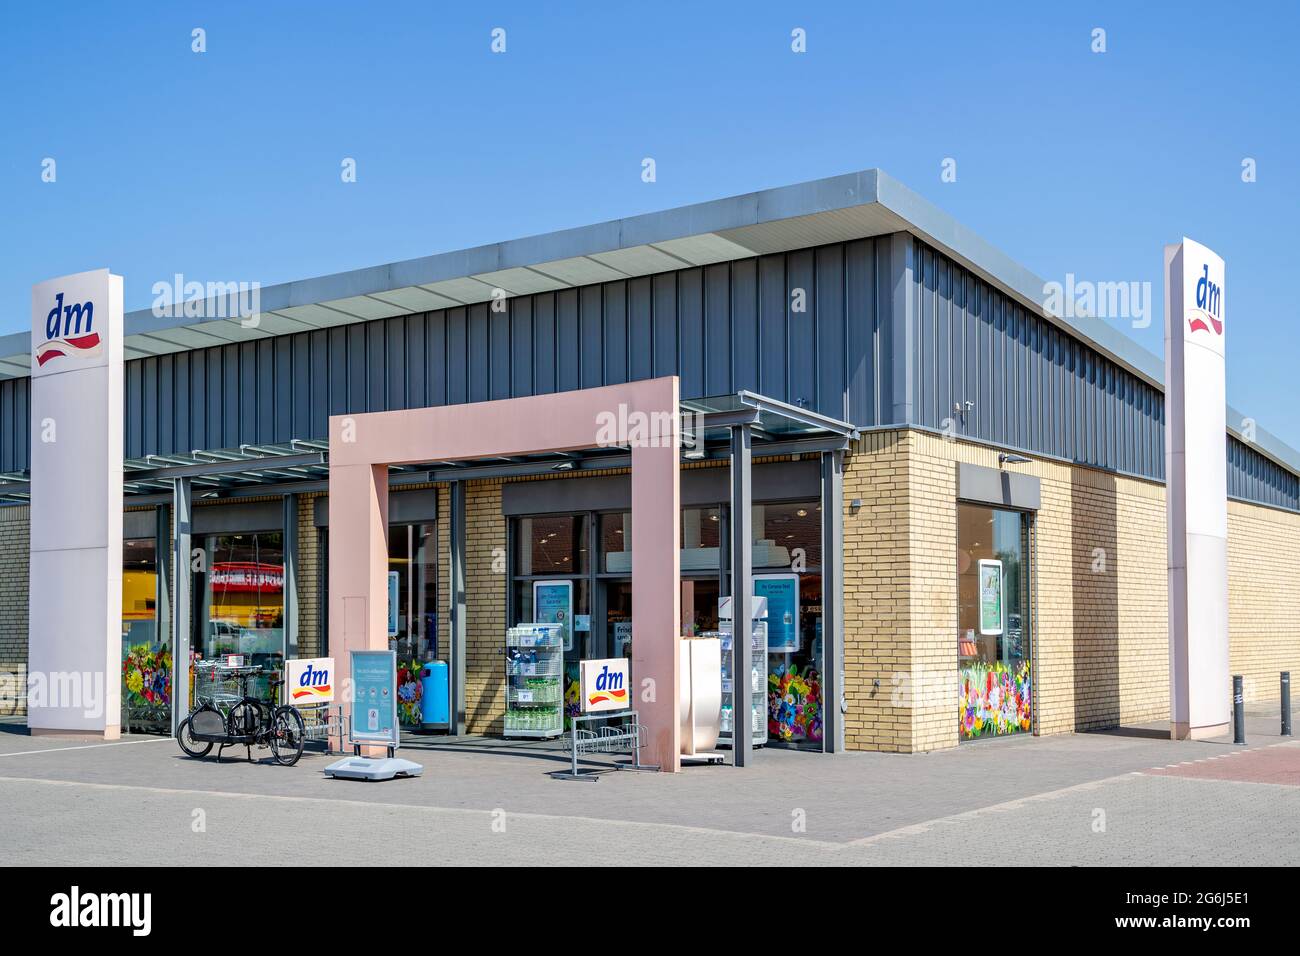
[[604, 684], [309, 681], [75, 595], [1197, 489]]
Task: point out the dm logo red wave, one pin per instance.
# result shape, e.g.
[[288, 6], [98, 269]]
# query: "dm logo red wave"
[[80, 346], [601, 696], [320, 690], [1198, 320]]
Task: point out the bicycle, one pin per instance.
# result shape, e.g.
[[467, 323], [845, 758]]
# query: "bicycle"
[[250, 721]]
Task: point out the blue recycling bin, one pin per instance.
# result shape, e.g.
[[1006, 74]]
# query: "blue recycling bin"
[[435, 702]]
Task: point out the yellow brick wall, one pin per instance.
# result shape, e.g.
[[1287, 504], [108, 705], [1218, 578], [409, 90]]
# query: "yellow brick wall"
[[877, 612], [1101, 574], [1263, 597], [485, 608], [311, 639]]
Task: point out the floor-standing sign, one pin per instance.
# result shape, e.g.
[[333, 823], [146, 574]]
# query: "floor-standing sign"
[[75, 594], [1197, 491], [373, 720]]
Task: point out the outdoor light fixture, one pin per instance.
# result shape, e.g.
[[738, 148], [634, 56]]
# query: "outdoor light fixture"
[[562, 466], [1006, 458]]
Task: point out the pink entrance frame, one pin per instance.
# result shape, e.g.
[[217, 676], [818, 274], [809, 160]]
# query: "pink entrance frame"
[[363, 446]]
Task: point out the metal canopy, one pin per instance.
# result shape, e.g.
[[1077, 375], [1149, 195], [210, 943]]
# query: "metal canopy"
[[778, 428]]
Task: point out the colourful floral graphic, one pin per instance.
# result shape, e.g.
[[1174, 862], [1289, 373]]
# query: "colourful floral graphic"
[[410, 711], [572, 694], [996, 699], [794, 704], [147, 681]]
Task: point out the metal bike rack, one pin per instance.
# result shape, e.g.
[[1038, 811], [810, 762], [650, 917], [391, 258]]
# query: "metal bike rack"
[[622, 739], [325, 722]]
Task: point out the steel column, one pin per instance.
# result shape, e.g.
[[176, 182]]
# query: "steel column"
[[181, 606], [742, 590], [832, 601], [456, 583], [290, 504]]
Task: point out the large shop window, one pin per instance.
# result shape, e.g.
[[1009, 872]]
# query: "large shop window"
[[993, 622], [787, 569], [241, 610], [146, 655]]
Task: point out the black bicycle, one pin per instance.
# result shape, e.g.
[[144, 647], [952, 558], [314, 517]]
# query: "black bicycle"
[[249, 722]]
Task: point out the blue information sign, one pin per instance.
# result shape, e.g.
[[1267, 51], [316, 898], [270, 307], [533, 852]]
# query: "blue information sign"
[[553, 604], [782, 593], [374, 698]]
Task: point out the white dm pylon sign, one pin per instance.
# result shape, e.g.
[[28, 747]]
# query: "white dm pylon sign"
[[1196, 491], [75, 597]]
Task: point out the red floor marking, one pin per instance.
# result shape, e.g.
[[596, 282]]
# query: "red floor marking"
[[1265, 765]]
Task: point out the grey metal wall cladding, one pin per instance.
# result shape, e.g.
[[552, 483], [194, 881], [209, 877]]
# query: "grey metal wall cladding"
[[837, 328], [1255, 478], [800, 327], [15, 424], [1029, 385]]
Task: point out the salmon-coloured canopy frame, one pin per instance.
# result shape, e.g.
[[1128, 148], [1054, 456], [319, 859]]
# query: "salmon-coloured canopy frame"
[[363, 446]]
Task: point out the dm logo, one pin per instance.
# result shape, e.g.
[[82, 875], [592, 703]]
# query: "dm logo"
[[1207, 314], [69, 331], [312, 684], [609, 687]]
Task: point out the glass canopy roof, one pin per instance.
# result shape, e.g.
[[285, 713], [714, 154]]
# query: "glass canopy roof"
[[776, 428]]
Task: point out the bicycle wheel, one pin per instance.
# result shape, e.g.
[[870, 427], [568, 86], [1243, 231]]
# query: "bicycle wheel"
[[192, 747], [288, 734]]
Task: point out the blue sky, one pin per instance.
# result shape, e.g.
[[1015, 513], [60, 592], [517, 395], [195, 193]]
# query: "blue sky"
[[225, 165]]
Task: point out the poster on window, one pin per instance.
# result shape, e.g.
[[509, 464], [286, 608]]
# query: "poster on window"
[[990, 597], [553, 604], [782, 593], [393, 603]]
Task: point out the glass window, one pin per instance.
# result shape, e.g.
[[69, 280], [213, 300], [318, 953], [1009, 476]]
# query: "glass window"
[[787, 534], [794, 681], [413, 558], [551, 545], [701, 539], [700, 605], [615, 537], [993, 639], [241, 609], [146, 659]]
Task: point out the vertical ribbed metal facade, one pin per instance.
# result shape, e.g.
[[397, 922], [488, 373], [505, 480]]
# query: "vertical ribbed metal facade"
[[1253, 477], [799, 326], [1030, 385], [881, 332], [15, 422]]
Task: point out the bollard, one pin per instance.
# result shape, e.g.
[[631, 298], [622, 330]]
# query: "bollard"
[[1238, 711], [1286, 703]]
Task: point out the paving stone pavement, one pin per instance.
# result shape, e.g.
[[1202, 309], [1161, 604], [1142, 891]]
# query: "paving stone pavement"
[[1086, 799]]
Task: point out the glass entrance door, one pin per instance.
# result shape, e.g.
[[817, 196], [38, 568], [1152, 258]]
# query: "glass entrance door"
[[240, 596]]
